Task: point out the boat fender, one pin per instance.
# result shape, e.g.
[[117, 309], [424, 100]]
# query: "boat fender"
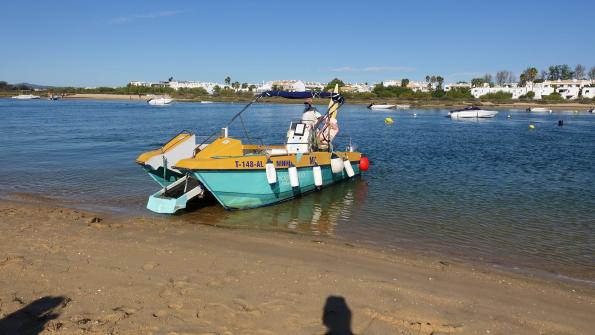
[[317, 171], [271, 172], [293, 176], [336, 163], [560, 123], [364, 164], [348, 168]]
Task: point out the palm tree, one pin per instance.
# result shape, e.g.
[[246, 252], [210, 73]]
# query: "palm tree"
[[227, 80], [440, 80]]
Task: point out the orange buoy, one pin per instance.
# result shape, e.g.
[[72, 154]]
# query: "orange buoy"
[[364, 163]]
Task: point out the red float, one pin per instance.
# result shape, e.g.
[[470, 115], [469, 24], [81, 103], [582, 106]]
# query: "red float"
[[364, 163]]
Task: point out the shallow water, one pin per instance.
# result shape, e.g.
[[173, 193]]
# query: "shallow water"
[[489, 190]]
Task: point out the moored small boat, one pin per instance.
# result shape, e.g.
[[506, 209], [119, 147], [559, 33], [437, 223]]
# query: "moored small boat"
[[471, 113], [403, 106], [381, 106], [206, 102], [26, 97], [242, 176], [160, 101], [539, 109]]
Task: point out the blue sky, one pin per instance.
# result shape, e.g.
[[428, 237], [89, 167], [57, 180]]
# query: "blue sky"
[[91, 43]]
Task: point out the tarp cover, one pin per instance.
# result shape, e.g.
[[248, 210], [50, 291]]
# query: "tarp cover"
[[304, 95]]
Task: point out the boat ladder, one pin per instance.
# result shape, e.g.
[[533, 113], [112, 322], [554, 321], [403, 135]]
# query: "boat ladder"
[[175, 196]]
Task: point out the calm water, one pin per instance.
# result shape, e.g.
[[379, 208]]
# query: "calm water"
[[489, 190]]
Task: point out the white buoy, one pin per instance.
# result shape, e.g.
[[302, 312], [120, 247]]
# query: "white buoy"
[[294, 181], [317, 171], [336, 163], [271, 172], [348, 168]]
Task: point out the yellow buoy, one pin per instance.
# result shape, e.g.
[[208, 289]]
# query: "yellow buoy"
[[531, 126], [388, 120]]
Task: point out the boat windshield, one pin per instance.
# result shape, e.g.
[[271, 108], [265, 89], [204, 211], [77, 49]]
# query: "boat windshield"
[[470, 108]]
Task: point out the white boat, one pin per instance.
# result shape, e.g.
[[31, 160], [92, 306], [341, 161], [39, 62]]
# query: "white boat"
[[26, 97], [206, 102], [471, 112], [403, 106], [381, 106], [160, 101], [539, 109]]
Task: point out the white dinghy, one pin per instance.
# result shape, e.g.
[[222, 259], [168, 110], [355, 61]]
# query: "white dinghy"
[[471, 112]]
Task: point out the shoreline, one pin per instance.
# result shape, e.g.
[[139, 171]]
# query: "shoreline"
[[414, 104], [526, 267], [152, 274]]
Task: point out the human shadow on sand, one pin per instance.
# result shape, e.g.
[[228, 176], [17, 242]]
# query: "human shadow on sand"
[[336, 316], [32, 319]]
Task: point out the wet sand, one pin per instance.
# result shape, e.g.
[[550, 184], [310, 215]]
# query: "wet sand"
[[69, 271]]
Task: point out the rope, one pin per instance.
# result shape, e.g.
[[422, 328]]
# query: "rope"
[[245, 130]]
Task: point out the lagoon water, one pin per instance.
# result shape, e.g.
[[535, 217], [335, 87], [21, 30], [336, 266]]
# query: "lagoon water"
[[489, 190]]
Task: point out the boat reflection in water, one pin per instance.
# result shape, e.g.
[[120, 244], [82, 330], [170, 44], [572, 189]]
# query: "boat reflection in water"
[[316, 213]]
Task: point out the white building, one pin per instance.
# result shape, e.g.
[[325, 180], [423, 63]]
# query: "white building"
[[415, 86], [140, 83], [357, 88], [588, 92], [314, 86], [285, 85], [449, 87], [209, 87], [568, 89], [392, 82], [515, 91]]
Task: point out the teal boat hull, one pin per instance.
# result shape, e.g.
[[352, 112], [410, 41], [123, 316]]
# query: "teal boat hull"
[[243, 189], [163, 178]]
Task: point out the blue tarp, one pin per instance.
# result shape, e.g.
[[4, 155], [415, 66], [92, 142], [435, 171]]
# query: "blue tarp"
[[303, 95]]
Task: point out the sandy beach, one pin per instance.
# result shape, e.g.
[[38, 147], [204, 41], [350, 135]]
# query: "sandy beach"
[[69, 271]]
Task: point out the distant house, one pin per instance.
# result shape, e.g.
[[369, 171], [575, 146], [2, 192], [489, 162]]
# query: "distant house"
[[449, 87], [588, 92], [514, 90], [314, 86], [209, 87], [415, 86], [568, 89], [288, 85], [356, 88], [140, 84]]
